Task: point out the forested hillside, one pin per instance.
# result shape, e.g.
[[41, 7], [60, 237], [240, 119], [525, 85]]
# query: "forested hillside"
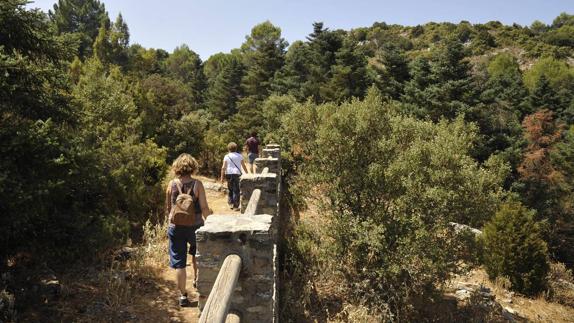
[[395, 130]]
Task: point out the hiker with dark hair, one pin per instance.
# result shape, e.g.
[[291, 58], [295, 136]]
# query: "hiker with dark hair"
[[252, 144], [231, 168], [186, 208]]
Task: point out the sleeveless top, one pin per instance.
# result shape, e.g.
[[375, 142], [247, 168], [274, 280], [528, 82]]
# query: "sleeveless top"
[[184, 188]]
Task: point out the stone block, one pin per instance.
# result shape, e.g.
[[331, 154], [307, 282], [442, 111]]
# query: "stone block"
[[251, 237], [267, 183], [271, 152], [273, 164], [231, 226]]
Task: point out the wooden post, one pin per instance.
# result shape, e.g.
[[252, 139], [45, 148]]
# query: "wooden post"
[[251, 208], [233, 317], [217, 304]]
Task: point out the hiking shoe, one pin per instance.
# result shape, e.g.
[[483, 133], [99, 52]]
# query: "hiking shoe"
[[183, 301]]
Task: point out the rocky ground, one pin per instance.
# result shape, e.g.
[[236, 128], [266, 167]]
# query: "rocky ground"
[[500, 304]]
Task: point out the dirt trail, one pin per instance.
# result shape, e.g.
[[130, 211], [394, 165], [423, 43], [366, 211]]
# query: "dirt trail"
[[218, 203], [116, 295]]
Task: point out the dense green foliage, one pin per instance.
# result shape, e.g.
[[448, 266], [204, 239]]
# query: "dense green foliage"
[[59, 181], [390, 197], [458, 116], [69, 178], [513, 248]]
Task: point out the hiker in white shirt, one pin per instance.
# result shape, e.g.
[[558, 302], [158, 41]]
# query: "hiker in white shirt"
[[232, 169]]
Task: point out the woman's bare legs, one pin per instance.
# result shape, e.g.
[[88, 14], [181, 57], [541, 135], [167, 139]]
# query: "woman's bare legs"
[[194, 267], [181, 276]]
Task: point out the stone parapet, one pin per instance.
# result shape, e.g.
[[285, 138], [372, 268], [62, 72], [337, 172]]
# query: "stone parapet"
[[254, 238], [250, 237], [271, 152], [270, 162], [267, 183]]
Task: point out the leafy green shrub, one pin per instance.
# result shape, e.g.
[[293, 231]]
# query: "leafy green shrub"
[[390, 184], [515, 249], [557, 72], [112, 128]]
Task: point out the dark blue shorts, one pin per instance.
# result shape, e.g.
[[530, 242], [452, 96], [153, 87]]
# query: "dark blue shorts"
[[252, 157], [179, 237]]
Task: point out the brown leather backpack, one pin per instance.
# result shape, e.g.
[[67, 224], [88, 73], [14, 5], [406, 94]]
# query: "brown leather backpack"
[[183, 211]]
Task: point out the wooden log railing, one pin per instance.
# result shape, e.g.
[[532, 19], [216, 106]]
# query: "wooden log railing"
[[219, 299], [217, 306], [251, 208], [233, 317]]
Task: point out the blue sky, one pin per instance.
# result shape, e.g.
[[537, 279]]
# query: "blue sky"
[[212, 26]]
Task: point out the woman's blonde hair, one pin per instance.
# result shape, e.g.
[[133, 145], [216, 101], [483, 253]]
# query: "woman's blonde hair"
[[184, 165], [232, 147]]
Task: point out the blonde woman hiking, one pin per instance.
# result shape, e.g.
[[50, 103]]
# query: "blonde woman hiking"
[[187, 209]]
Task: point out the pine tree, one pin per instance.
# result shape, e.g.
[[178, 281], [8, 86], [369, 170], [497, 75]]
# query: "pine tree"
[[75, 70], [540, 178], [514, 249], [505, 85], [214, 64], [349, 74], [323, 46], [120, 40], [291, 79], [264, 54], [561, 236], [414, 98], [121, 32], [501, 109], [225, 90], [43, 157], [186, 66], [102, 47], [144, 62], [392, 71], [81, 17], [543, 96], [441, 87]]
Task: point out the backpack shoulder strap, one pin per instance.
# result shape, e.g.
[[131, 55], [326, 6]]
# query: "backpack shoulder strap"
[[191, 187], [178, 184]]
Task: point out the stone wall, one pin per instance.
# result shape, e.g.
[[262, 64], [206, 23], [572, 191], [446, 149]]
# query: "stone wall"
[[273, 164], [267, 183], [253, 238]]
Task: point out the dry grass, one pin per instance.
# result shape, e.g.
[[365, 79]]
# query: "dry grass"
[[561, 285], [532, 309], [357, 313], [139, 289]]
